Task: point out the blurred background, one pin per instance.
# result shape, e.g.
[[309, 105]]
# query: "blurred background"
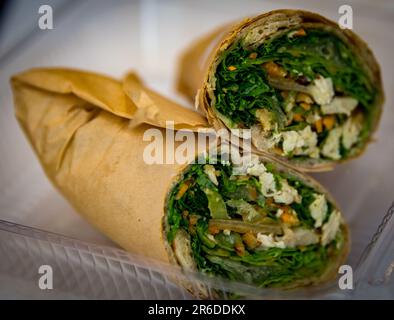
[[112, 37]]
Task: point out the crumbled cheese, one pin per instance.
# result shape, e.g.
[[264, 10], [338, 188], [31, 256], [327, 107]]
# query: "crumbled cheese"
[[210, 171], [351, 131], [318, 209], [331, 145], [264, 117], [243, 163], [269, 241], [279, 212], [249, 165], [268, 184], [303, 142], [256, 169], [299, 237], [331, 227], [310, 143], [322, 90], [287, 194], [291, 140], [340, 105], [226, 232]]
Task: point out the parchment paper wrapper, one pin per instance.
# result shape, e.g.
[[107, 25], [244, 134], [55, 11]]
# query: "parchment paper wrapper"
[[82, 127], [79, 126], [198, 63]]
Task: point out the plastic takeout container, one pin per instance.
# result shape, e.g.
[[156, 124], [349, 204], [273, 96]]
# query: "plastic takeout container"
[[86, 270]]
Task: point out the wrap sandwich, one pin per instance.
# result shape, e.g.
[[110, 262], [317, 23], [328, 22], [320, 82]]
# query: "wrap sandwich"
[[310, 92], [254, 221]]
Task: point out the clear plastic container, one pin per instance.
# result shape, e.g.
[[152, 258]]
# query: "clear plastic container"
[[146, 36], [85, 270]]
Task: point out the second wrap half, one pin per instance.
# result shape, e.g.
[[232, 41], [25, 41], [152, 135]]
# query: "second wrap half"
[[310, 91]]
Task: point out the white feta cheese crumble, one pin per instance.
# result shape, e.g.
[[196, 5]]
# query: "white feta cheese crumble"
[[226, 232], [269, 241], [256, 168], [279, 212], [331, 227], [210, 171], [244, 163], [318, 209], [268, 184], [299, 237], [310, 143], [340, 105], [331, 145], [291, 140], [322, 90], [351, 131], [287, 194], [303, 142]]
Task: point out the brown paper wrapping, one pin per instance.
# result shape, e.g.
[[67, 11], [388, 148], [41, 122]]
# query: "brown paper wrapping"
[[198, 63], [79, 126], [82, 128]]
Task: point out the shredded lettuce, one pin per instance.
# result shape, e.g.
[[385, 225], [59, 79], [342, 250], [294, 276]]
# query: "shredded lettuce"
[[274, 267], [228, 253]]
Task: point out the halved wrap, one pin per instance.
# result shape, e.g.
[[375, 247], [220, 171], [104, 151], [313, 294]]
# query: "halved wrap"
[[259, 222], [253, 221], [310, 92]]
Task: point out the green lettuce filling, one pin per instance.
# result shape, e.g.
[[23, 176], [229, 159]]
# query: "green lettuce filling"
[[237, 202], [243, 86]]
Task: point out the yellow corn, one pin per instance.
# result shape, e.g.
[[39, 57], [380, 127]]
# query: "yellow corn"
[[183, 188], [297, 117], [319, 126], [329, 121], [289, 218]]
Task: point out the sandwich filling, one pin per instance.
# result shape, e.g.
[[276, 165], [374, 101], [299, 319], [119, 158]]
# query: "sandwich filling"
[[253, 223], [303, 93]]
